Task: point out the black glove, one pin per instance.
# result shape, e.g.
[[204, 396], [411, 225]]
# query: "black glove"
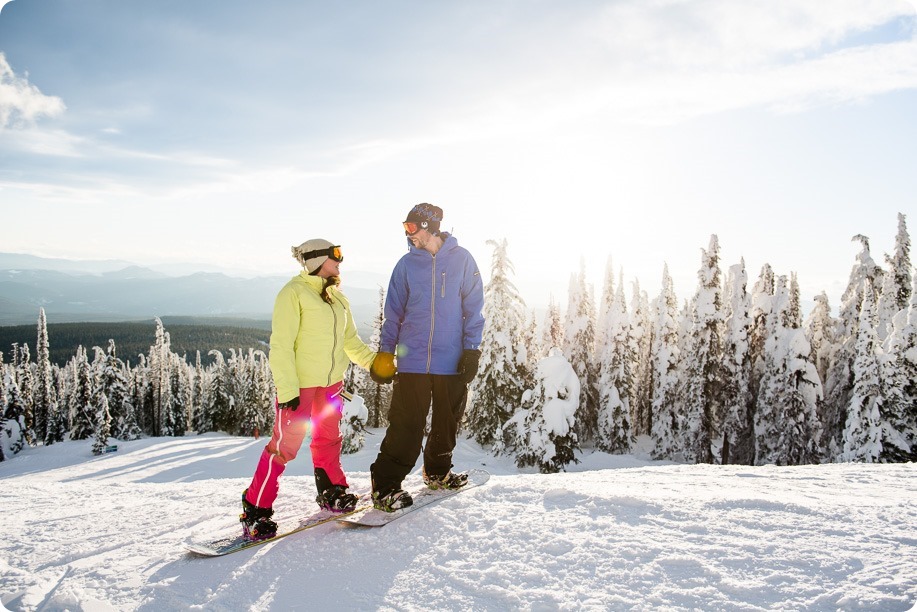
[[292, 404], [468, 365]]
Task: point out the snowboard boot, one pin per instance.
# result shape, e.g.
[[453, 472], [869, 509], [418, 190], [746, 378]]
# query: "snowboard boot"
[[389, 497], [256, 522], [450, 480], [331, 496], [394, 499], [337, 499]]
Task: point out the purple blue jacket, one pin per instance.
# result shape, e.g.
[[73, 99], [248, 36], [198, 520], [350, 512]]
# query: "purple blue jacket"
[[433, 309]]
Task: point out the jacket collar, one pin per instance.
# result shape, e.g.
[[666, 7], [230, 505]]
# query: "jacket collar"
[[449, 243], [315, 282]]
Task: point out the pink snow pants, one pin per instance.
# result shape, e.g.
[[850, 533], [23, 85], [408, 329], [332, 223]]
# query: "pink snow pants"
[[319, 407]]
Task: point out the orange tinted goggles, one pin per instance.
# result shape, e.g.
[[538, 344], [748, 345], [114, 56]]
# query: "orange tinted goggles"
[[411, 228], [331, 252]]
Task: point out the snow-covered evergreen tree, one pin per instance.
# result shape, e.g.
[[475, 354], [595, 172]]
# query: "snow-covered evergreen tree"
[[896, 286], [703, 382], [44, 383], [12, 414], [863, 426], [59, 417], [787, 429], [103, 426], [553, 329], [244, 418], [141, 393], [200, 417], [82, 408], [110, 376], [494, 394], [542, 432], [579, 350], [898, 381], [176, 408], [2, 403], [265, 391], [160, 376], [641, 332], [903, 378], [615, 378], [353, 425], [820, 327], [605, 304], [737, 427], [377, 398], [220, 401], [25, 377], [531, 339], [865, 276], [664, 421], [762, 297]]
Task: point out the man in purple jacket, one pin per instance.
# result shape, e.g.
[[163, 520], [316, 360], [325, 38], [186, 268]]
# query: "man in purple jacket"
[[433, 324]]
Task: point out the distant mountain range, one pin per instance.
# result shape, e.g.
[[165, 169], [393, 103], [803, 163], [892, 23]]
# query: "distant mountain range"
[[112, 290]]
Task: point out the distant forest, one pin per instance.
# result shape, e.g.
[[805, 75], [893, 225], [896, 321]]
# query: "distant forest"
[[188, 335]]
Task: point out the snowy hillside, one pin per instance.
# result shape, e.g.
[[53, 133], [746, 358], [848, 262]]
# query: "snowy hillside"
[[105, 533]]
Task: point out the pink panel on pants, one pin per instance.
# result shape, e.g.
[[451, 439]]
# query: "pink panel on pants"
[[324, 406]]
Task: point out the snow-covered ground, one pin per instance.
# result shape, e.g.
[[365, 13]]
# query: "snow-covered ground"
[[615, 533]]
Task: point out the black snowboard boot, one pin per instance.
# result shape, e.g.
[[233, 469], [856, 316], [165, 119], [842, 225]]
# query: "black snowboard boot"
[[450, 480], [333, 497], [389, 501], [256, 522], [337, 499], [389, 497]]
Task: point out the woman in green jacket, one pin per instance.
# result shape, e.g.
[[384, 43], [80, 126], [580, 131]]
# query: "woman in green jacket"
[[313, 340]]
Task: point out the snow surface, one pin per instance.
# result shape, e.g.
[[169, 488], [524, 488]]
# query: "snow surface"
[[616, 532]]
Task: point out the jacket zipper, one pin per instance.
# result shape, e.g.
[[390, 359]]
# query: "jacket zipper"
[[432, 317], [334, 342]]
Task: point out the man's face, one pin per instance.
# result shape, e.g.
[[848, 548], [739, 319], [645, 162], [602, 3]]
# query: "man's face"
[[421, 239]]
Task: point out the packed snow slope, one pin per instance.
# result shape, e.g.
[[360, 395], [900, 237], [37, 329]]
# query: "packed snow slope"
[[615, 533]]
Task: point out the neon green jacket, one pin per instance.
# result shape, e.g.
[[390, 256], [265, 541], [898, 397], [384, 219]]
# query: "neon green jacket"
[[312, 342]]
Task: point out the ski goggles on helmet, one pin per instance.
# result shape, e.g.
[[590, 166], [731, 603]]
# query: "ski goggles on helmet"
[[412, 227], [331, 253]]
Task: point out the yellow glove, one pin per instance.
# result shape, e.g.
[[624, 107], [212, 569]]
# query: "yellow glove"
[[382, 369]]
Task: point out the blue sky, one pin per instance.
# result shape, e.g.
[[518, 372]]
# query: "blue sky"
[[224, 132]]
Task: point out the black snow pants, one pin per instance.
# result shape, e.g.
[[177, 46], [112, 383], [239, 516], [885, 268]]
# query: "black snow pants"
[[412, 397]]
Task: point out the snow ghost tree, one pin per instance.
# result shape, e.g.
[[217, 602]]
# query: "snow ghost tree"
[[542, 432]]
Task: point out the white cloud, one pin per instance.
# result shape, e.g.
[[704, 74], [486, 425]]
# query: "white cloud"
[[667, 61], [21, 103]]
